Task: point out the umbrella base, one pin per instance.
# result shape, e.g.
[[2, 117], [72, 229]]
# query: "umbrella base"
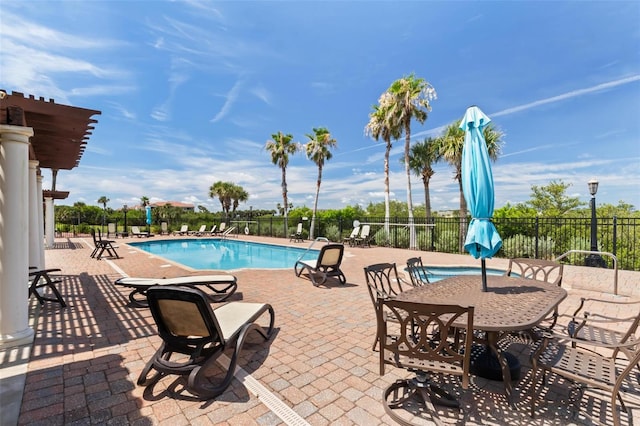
[[486, 365]]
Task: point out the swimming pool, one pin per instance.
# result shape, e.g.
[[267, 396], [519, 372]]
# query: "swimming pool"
[[437, 273], [225, 254]]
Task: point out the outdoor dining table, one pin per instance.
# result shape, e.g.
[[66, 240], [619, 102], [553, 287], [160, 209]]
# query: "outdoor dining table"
[[510, 304]]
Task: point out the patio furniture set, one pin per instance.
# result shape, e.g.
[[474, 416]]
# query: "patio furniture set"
[[429, 329]]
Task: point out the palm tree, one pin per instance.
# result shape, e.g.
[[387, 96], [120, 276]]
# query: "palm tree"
[[318, 150], [223, 191], [280, 146], [380, 127], [238, 194], [103, 200], [144, 200], [421, 156], [411, 96], [450, 147]]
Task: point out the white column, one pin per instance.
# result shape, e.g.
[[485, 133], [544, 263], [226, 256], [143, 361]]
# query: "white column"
[[40, 210], [14, 234], [49, 221], [34, 243]]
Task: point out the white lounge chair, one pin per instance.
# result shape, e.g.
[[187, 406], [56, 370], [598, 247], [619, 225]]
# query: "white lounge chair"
[[351, 239], [199, 232], [136, 231], [297, 236], [184, 230], [222, 286]]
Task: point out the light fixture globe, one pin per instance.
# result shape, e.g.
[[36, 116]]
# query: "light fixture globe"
[[593, 187]]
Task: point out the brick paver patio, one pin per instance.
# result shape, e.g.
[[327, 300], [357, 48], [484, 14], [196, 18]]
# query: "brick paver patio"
[[319, 368]]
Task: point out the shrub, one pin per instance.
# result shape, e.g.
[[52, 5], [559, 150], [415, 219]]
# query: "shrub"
[[332, 232], [447, 242]]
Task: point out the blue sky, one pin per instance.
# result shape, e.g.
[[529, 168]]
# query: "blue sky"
[[191, 91]]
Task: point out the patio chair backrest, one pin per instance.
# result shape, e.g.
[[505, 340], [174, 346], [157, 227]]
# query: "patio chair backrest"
[[536, 269], [95, 237], [355, 232], [183, 316], [383, 281], [419, 337], [366, 229], [417, 272], [164, 228], [330, 256], [111, 229]]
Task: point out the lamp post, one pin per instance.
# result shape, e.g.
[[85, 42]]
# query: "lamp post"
[[125, 233], [594, 259]]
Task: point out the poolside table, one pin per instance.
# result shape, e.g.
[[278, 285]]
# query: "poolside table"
[[510, 304]]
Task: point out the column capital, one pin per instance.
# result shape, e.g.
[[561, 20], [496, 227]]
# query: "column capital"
[[7, 129]]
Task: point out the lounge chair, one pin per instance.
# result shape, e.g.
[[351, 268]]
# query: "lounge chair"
[[351, 239], [102, 245], [211, 232], [112, 230], [199, 232], [221, 286], [327, 265], [40, 279], [187, 325], [184, 230], [297, 236], [164, 228], [221, 228], [364, 239], [136, 231]]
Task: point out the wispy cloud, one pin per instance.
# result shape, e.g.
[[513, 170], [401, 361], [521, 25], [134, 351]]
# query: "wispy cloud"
[[568, 95], [230, 99], [539, 148], [262, 94]]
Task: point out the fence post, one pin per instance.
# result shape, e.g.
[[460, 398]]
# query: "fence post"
[[537, 235], [615, 235], [433, 233]]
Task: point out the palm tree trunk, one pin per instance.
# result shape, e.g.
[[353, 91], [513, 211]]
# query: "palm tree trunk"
[[284, 198], [407, 146], [387, 212], [427, 198], [315, 204]]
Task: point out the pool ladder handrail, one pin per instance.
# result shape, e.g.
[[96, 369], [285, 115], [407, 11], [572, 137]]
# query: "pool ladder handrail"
[[325, 239]]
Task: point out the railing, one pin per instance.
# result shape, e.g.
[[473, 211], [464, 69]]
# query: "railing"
[[534, 237]]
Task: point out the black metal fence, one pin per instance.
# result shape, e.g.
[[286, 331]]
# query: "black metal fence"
[[538, 237]]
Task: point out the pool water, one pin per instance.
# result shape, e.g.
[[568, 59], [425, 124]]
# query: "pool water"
[[437, 273], [225, 254]]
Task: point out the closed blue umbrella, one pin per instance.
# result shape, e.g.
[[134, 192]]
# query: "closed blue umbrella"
[[483, 240], [148, 209]]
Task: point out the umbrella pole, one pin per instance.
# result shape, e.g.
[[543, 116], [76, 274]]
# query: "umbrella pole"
[[483, 263]]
